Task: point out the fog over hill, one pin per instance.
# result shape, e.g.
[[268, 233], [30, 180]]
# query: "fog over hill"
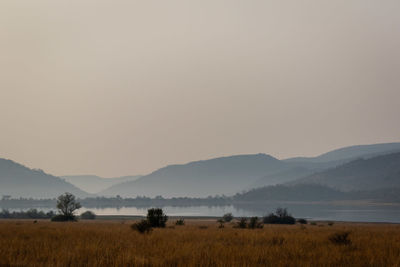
[[365, 167], [94, 184], [361, 174], [229, 175], [17, 180], [226, 175], [346, 154]]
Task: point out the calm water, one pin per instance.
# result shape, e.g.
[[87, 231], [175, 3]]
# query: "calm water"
[[374, 213]]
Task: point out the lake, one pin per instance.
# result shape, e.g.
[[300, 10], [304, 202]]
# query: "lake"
[[326, 212]]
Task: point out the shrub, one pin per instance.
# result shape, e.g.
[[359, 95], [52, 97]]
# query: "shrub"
[[281, 216], [63, 218], [242, 223], [340, 238], [255, 223], [221, 223], [180, 222], [88, 215], [302, 221], [330, 223], [313, 223], [142, 226], [227, 217], [156, 218]]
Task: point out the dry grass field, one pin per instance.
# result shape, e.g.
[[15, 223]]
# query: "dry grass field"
[[198, 243]]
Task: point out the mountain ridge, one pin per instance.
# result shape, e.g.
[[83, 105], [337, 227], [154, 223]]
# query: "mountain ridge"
[[360, 174], [18, 180]]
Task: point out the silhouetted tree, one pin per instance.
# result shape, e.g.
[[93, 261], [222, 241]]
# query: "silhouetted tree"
[[156, 217], [66, 205]]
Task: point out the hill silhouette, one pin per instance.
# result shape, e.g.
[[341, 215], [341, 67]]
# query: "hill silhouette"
[[226, 175], [361, 174], [345, 154], [17, 180]]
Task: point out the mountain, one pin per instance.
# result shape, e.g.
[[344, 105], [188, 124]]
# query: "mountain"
[[302, 166], [282, 176], [17, 180], [229, 175], [361, 174], [226, 175], [346, 154], [94, 184]]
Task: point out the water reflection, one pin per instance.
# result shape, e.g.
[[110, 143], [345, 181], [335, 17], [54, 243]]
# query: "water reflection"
[[329, 212]]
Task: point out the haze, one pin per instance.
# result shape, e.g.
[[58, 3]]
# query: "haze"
[[124, 87]]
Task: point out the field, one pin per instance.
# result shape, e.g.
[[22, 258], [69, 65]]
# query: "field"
[[198, 243]]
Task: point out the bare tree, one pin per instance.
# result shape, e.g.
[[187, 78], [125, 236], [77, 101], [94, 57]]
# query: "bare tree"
[[67, 205]]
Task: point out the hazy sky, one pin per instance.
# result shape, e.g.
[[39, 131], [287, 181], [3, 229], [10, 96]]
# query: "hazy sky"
[[124, 87]]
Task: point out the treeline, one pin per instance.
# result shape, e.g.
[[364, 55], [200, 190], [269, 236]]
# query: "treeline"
[[301, 192], [29, 214], [159, 201], [106, 202]]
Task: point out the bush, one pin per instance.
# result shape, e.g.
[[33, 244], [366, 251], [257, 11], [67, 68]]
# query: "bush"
[[63, 218], [340, 238], [302, 221], [142, 226], [330, 223], [221, 223], [281, 216], [88, 215], [255, 223], [156, 218], [180, 222], [242, 223], [227, 217]]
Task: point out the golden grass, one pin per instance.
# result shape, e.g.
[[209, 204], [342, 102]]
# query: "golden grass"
[[199, 243]]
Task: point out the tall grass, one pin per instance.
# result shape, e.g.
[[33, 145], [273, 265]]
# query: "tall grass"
[[116, 244]]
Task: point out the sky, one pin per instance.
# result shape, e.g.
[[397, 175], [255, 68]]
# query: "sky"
[[123, 87]]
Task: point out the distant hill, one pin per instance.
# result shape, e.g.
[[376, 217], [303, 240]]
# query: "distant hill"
[[17, 180], [346, 154], [299, 192], [362, 174], [337, 169], [226, 175], [314, 193], [229, 175], [95, 184], [282, 176]]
